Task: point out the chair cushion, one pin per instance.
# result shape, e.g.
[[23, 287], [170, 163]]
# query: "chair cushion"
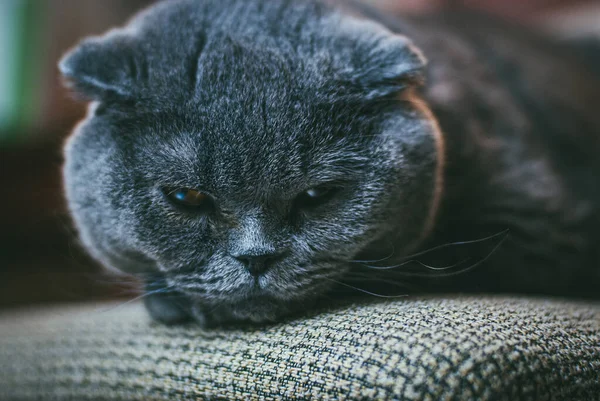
[[434, 348]]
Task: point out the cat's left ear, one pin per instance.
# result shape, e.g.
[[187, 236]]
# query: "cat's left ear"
[[102, 67], [382, 62]]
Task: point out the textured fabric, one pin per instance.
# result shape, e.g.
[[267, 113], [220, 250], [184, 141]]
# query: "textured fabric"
[[472, 348]]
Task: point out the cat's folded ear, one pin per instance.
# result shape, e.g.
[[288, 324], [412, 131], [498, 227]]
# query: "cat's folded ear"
[[102, 68], [381, 62]]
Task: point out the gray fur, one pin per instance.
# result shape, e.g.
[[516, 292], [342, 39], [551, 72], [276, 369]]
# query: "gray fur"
[[252, 103]]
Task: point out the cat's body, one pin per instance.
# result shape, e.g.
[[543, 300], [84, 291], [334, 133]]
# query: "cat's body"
[[323, 152], [522, 137]]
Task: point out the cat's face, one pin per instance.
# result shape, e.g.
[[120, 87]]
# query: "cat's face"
[[252, 193]]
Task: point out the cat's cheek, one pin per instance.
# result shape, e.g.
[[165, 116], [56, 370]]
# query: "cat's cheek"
[[126, 261], [412, 151], [89, 180]]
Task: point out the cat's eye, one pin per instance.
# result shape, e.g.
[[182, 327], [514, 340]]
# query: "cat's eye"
[[189, 198], [314, 197]]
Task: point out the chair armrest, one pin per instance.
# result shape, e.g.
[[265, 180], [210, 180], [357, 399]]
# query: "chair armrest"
[[435, 348]]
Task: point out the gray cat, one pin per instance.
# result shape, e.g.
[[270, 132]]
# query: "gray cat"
[[249, 159]]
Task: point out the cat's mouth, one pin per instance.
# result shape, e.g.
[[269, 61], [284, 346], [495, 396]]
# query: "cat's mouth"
[[240, 297]]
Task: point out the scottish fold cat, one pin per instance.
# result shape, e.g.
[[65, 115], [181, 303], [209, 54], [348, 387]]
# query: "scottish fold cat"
[[249, 159]]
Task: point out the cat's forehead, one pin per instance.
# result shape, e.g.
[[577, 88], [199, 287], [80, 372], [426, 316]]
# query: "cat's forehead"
[[243, 149]]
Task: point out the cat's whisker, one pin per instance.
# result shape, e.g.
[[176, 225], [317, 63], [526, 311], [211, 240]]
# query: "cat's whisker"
[[443, 267], [365, 291], [455, 273], [458, 243], [440, 275], [146, 294], [376, 279], [391, 255], [389, 267], [443, 246], [114, 280], [475, 265]]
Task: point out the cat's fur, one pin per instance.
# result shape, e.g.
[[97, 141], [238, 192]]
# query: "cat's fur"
[[256, 101]]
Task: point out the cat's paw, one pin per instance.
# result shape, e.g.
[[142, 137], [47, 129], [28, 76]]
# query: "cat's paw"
[[168, 308]]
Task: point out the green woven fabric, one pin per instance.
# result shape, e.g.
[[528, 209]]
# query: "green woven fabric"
[[461, 348]]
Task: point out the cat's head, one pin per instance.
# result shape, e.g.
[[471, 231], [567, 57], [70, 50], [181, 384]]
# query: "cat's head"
[[247, 151]]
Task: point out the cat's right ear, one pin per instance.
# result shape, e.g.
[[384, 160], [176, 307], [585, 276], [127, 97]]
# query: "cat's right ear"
[[376, 60], [102, 68]]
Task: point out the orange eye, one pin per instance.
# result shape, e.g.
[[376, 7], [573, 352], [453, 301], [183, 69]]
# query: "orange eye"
[[188, 198]]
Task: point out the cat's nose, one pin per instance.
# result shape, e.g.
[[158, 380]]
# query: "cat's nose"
[[258, 263]]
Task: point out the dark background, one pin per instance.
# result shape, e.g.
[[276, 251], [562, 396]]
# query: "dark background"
[[40, 260]]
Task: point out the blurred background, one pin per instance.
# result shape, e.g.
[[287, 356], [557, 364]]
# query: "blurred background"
[[40, 260]]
